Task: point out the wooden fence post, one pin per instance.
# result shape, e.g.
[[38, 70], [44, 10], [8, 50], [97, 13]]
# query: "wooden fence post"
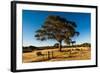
[[48, 55], [52, 53]]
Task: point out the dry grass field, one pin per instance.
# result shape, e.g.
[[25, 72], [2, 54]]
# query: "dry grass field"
[[77, 53]]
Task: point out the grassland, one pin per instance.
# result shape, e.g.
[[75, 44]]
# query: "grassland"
[[72, 53]]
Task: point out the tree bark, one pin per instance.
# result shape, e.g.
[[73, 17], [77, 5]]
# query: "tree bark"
[[60, 46]]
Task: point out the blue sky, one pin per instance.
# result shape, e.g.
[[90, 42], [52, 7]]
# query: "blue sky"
[[32, 21]]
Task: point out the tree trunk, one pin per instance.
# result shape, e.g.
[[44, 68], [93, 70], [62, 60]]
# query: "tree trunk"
[[60, 46]]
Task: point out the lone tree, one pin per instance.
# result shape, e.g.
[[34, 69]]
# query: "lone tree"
[[73, 42], [57, 28]]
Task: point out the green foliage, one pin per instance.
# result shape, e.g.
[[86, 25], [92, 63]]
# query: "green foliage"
[[86, 45], [56, 45]]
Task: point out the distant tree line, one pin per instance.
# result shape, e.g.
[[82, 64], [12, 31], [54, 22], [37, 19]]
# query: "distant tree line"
[[33, 48]]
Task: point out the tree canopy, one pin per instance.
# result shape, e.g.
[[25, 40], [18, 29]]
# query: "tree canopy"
[[57, 28]]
